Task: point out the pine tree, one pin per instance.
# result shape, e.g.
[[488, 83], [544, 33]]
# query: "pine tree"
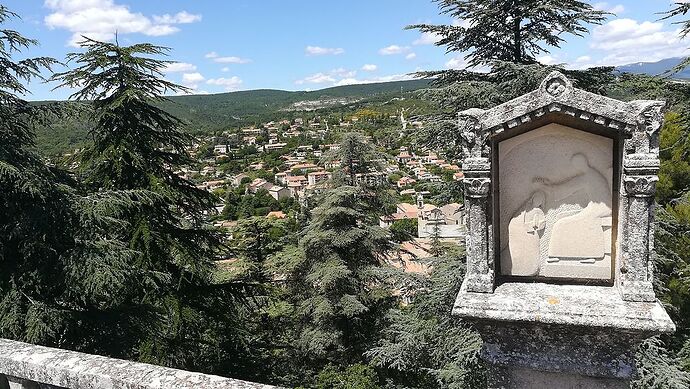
[[340, 295], [166, 309], [681, 8], [515, 31], [506, 36], [423, 345], [334, 278], [35, 218], [357, 156]]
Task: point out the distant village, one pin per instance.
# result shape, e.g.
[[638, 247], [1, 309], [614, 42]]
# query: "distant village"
[[284, 163]]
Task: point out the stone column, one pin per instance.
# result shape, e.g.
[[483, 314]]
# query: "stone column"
[[635, 281], [477, 184], [477, 187], [636, 216]]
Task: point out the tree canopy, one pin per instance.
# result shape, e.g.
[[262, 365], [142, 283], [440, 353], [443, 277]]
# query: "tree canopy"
[[516, 31]]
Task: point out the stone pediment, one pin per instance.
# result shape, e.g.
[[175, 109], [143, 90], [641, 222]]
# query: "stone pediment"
[[557, 95]]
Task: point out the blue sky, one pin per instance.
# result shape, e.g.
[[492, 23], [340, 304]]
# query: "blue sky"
[[310, 44]]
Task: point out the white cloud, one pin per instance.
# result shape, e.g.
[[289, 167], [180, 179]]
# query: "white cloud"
[[177, 67], [583, 59], [342, 72], [183, 17], [191, 78], [625, 41], [390, 78], [316, 50], [339, 77], [548, 60], [230, 84], [225, 69], [318, 78], [369, 68], [464, 23], [427, 38], [604, 6], [394, 49], [411, 56], [230, 59], [458, 63], [327, 77], [235, 60], [100, 19]]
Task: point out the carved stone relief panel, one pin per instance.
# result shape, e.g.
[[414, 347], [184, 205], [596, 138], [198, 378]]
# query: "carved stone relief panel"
[[555, 204]]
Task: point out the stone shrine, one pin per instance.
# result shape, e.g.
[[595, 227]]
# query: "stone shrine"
[[559, 193]]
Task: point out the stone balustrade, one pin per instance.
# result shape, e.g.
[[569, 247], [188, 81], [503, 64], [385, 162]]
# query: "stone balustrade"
[[27, 366]]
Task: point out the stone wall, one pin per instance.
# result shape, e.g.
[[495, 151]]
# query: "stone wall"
[[28, 366]]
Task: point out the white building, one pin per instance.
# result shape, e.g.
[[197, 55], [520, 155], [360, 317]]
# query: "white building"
[[279, 192]]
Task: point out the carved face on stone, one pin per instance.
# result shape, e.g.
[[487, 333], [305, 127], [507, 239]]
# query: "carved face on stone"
[[555, 202]]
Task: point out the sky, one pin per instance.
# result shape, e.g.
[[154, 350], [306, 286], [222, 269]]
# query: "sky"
[[230, 45]]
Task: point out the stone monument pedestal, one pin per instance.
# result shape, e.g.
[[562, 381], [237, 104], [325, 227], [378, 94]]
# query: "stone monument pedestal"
[[536, 335]]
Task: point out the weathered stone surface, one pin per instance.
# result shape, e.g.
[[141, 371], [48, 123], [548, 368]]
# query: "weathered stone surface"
[[73, 370], [574, 305], [527, 165], [556, 200], [516, 378], [633, 128], [583, 330]]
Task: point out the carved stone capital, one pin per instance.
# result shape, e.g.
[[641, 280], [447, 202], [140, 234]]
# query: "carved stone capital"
[[477, 187], [640, 186], [474, 137]]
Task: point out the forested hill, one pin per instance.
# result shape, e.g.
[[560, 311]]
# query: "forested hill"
[[208, 113], [236, 108]]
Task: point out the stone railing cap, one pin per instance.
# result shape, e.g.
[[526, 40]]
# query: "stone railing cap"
[[74, 370]]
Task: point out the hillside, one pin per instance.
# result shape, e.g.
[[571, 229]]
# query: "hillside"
[[209, 113], [655, 68]]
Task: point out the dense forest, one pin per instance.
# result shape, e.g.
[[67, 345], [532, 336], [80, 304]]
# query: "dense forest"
[[116, 258]]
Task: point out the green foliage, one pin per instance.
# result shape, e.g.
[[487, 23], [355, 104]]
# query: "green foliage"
[[36, 233], [209, 114], [657, 369], [403, 230], [356, 156], [674, 176], [423, 345], [334, 279], [151, 299], [353, 377], [255, 239], [509, 30], [239, 205]]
